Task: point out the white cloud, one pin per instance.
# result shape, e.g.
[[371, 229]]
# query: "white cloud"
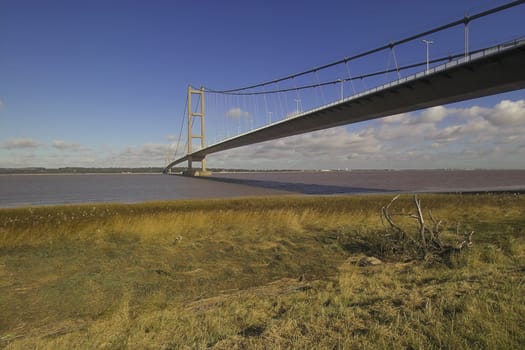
[[21, 143], [320, 149], [433, 115], [397, 118], [470, 112], [427, 116], [474, 129], [171, 138], [66, 146], [504, 114], [149, 154], [237, 113], [508, 113], [414, 132]]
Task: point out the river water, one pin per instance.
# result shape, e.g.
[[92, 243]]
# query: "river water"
[[31, 190]]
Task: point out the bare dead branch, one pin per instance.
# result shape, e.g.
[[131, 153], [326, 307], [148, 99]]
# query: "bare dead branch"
[[467, 240], [388, 218], [393, 225], [435, 231], [391, 202], [420, 220], [424, 242], [436, 223]]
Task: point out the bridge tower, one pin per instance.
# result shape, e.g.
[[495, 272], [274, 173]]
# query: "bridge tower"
[[196, 131]]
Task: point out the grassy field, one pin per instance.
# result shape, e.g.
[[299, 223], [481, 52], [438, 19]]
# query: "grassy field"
[[265, 273]]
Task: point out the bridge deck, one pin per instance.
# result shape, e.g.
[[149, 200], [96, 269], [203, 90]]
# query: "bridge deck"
[[495, 70]]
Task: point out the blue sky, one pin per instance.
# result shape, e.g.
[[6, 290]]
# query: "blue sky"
[[103, 83]]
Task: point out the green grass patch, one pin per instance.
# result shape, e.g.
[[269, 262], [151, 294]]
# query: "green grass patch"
[[260, 273]]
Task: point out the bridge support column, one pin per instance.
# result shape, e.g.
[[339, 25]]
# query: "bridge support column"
[[196, 131]]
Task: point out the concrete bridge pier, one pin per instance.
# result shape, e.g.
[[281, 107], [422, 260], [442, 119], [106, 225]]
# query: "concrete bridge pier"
[[196, 171]]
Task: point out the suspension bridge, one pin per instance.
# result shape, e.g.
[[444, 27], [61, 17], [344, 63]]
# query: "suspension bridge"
[[262, 112]]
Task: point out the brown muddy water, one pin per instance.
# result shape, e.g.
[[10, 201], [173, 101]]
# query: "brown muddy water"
[[28, 190]]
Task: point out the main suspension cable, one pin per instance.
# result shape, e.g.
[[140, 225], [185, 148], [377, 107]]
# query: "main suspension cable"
[[464, 20], [351, 78], [181, 128]]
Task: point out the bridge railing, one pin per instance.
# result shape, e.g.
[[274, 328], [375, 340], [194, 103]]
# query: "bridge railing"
[[493, 50]]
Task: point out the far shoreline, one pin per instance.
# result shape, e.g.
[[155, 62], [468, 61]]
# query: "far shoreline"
[[159, 171]]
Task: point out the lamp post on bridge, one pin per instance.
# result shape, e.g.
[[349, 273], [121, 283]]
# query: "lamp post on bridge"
[[297, 101], [428, 42], [342, 89]]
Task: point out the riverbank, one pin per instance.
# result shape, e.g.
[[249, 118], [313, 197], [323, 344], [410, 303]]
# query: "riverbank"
[[275, 272]]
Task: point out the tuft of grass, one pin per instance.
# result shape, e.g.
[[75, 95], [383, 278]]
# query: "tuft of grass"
[[260, 273]]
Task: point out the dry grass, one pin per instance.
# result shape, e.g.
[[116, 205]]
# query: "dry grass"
[[275, 273]]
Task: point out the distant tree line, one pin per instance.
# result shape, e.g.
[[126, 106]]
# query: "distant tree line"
[[138, 170], [78, 170]]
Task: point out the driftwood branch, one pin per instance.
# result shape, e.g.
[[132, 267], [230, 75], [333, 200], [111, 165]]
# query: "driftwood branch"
[[388, 217], [421, 220], [426, 241], [435, 231], [436, 223], [467, 240]]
